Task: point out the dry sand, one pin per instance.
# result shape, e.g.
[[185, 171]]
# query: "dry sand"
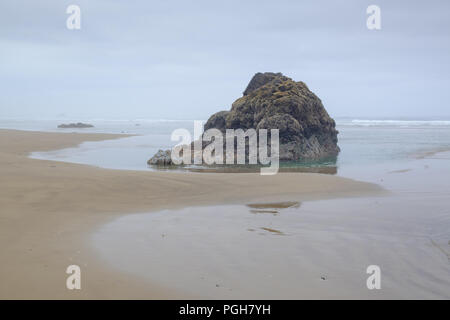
[[48, 211]]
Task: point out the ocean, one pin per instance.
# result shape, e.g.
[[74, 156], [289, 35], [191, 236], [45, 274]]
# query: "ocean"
[[364, 143]]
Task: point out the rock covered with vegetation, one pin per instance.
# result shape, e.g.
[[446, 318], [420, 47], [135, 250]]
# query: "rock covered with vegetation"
[[274, 101]]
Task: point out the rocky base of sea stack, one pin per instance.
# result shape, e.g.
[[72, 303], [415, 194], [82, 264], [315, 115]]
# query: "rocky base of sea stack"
[[161, 158]]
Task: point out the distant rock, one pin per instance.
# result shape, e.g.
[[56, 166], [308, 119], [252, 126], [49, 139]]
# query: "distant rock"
[[161, 158], [75, 125]]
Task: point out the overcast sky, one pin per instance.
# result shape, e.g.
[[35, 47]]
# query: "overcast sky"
[[188, 59]]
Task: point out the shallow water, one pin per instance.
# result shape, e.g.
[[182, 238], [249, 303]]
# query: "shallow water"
[[363, 143], [312, 249], [227, 252]]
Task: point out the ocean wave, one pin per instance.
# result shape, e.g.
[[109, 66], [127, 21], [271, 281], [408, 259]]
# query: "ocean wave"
[[405, 123]]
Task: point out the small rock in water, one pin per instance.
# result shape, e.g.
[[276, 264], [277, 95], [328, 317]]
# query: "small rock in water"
[[161, 158], [75, 125]]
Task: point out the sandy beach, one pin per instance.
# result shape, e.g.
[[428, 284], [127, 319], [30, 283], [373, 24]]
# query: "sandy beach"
[[50, 209], [199, 154]]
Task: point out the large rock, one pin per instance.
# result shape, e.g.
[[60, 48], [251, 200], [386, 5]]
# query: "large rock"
[[274, 101]]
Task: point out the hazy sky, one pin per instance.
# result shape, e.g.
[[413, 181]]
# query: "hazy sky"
[[188, 59]]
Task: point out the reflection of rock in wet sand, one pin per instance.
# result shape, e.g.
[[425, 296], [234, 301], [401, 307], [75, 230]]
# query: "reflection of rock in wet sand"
[[275, 205], [273, 231], [400, 171], [274, 212], [271, 207], [324, 169]]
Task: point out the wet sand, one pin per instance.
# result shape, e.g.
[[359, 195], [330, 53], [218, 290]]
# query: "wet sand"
[[49, 211], [299, 250], [319, 250]]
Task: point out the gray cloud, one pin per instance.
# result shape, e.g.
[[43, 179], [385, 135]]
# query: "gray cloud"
[[179, 59]]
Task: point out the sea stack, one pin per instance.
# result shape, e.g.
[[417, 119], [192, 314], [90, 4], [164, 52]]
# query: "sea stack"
[[274, 101]]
